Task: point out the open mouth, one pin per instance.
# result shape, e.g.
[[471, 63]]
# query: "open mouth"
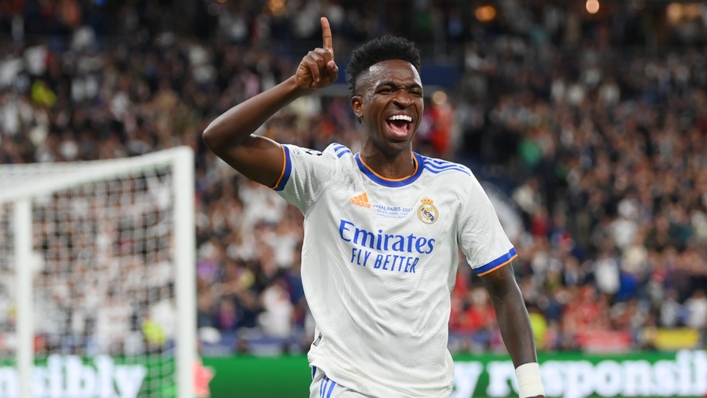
[[400, 126]]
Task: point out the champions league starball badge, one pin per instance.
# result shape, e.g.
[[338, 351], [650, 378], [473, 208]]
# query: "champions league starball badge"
[[427, 212]]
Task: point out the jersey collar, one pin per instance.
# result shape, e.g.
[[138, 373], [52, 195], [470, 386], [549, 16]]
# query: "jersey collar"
[[392, 182]]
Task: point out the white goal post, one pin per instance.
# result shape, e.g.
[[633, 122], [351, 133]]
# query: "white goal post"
[[99, 241]]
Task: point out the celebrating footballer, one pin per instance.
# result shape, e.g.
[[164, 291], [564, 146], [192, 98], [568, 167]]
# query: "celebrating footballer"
[[383, 228]]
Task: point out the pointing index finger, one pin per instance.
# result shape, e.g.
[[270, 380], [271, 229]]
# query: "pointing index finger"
[[326, 35]]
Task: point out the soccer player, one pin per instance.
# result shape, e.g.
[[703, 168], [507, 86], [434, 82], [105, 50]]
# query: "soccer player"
[[382, 230]]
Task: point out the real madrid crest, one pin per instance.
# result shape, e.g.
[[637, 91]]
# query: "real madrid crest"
[[427, 212]]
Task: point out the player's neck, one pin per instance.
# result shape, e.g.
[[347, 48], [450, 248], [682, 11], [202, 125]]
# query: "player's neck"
[[397, 166]]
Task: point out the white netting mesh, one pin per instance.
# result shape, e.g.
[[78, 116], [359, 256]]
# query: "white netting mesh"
[[104, 304], [7, 278]]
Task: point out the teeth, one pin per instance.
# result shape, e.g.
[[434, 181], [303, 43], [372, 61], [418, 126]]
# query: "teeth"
[[401, 117]]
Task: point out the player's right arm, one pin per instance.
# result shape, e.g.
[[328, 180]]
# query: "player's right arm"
[[230, 136]]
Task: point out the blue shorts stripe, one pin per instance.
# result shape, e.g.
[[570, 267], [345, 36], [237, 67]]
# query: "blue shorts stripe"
[[322, 386], [331, 389]]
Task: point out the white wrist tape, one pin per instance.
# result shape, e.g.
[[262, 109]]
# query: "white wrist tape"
[[529, 382]]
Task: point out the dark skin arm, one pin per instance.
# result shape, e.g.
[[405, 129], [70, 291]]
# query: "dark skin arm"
[[230, 136], [511, 314]]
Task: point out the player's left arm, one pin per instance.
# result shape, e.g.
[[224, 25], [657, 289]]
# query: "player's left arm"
[[489, 252], [513, 319]]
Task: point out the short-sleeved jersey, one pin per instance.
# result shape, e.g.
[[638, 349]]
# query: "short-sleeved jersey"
[[379, 261]]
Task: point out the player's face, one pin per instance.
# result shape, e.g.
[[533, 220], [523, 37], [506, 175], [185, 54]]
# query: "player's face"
[[389, 103]]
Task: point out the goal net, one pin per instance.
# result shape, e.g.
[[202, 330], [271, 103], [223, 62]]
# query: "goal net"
[[97, 278]]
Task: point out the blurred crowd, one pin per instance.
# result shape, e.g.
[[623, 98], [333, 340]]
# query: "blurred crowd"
[[592, 127]]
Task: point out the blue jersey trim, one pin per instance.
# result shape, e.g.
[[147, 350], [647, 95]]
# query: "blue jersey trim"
[[436, 166], [497, 263], [440, 162], [433, 171], [340, 150], [388, 183], [442, 166], [287, 170]]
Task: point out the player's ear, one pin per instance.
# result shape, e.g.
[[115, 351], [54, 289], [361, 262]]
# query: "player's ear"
[[357, 106]]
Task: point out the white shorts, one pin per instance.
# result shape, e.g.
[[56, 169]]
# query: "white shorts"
[[324, 387]]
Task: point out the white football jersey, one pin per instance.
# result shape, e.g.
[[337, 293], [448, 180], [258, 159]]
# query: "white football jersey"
[[379, 261]]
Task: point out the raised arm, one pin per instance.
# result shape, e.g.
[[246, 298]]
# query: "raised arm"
[[513, 320], [230, 136]]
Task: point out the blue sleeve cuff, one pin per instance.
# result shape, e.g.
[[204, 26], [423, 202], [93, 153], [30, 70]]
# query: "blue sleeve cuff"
[[497, 263], [286, 169]]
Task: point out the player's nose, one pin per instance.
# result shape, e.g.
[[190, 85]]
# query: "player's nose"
[[403, 99]]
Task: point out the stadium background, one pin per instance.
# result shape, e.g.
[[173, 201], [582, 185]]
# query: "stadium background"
[[588, 128]]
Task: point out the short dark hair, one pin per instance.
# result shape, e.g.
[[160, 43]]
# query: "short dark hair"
[[378, 50]]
